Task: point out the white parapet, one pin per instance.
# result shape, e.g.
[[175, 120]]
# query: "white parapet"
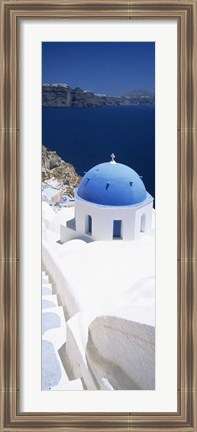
[[74, 352], [113, 347], [60, 279], [123, 351]]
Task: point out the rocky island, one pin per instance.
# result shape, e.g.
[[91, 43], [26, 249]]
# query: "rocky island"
[[62, 95], [55, 167]]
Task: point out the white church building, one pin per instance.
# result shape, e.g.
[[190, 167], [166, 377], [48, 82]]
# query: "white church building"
[[111, 203]]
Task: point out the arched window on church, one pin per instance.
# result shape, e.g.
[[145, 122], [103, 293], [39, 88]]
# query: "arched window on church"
[[143, 223], [89, 224]]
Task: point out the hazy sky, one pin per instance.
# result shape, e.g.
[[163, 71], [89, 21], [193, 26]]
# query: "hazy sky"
[[112, 68]]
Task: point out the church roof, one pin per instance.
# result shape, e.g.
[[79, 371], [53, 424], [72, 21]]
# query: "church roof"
[[112, 184]]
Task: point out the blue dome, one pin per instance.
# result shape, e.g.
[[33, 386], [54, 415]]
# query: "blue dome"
[[112, 184]]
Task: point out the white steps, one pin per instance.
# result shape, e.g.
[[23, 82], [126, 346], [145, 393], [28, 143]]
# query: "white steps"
[[54, 326], [47, 289], [45, 279], [54, 376], [49, 301]]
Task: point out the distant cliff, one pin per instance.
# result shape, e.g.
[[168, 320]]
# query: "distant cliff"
[[62, 95]]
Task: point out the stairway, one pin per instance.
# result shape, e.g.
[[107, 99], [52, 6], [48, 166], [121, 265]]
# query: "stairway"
[[54, 375]]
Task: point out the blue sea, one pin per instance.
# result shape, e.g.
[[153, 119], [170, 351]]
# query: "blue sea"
[[86, 137]]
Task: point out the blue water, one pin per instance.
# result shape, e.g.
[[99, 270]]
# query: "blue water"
[[87, 137]]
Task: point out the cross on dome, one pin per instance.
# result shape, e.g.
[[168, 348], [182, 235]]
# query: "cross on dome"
[[113, 158]]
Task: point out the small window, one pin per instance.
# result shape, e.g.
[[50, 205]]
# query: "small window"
[[88, 225], [117, 228], [143, 223]]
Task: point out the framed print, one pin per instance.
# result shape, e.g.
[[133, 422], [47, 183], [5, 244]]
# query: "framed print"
[[98, 220]]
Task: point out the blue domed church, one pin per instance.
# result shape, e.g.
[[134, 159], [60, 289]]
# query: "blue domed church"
[[111, 203]]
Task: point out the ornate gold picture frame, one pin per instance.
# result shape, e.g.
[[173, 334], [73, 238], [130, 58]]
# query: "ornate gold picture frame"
[[12, 13]]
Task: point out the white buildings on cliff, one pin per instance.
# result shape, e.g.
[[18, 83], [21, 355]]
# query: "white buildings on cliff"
[[103, 289]]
